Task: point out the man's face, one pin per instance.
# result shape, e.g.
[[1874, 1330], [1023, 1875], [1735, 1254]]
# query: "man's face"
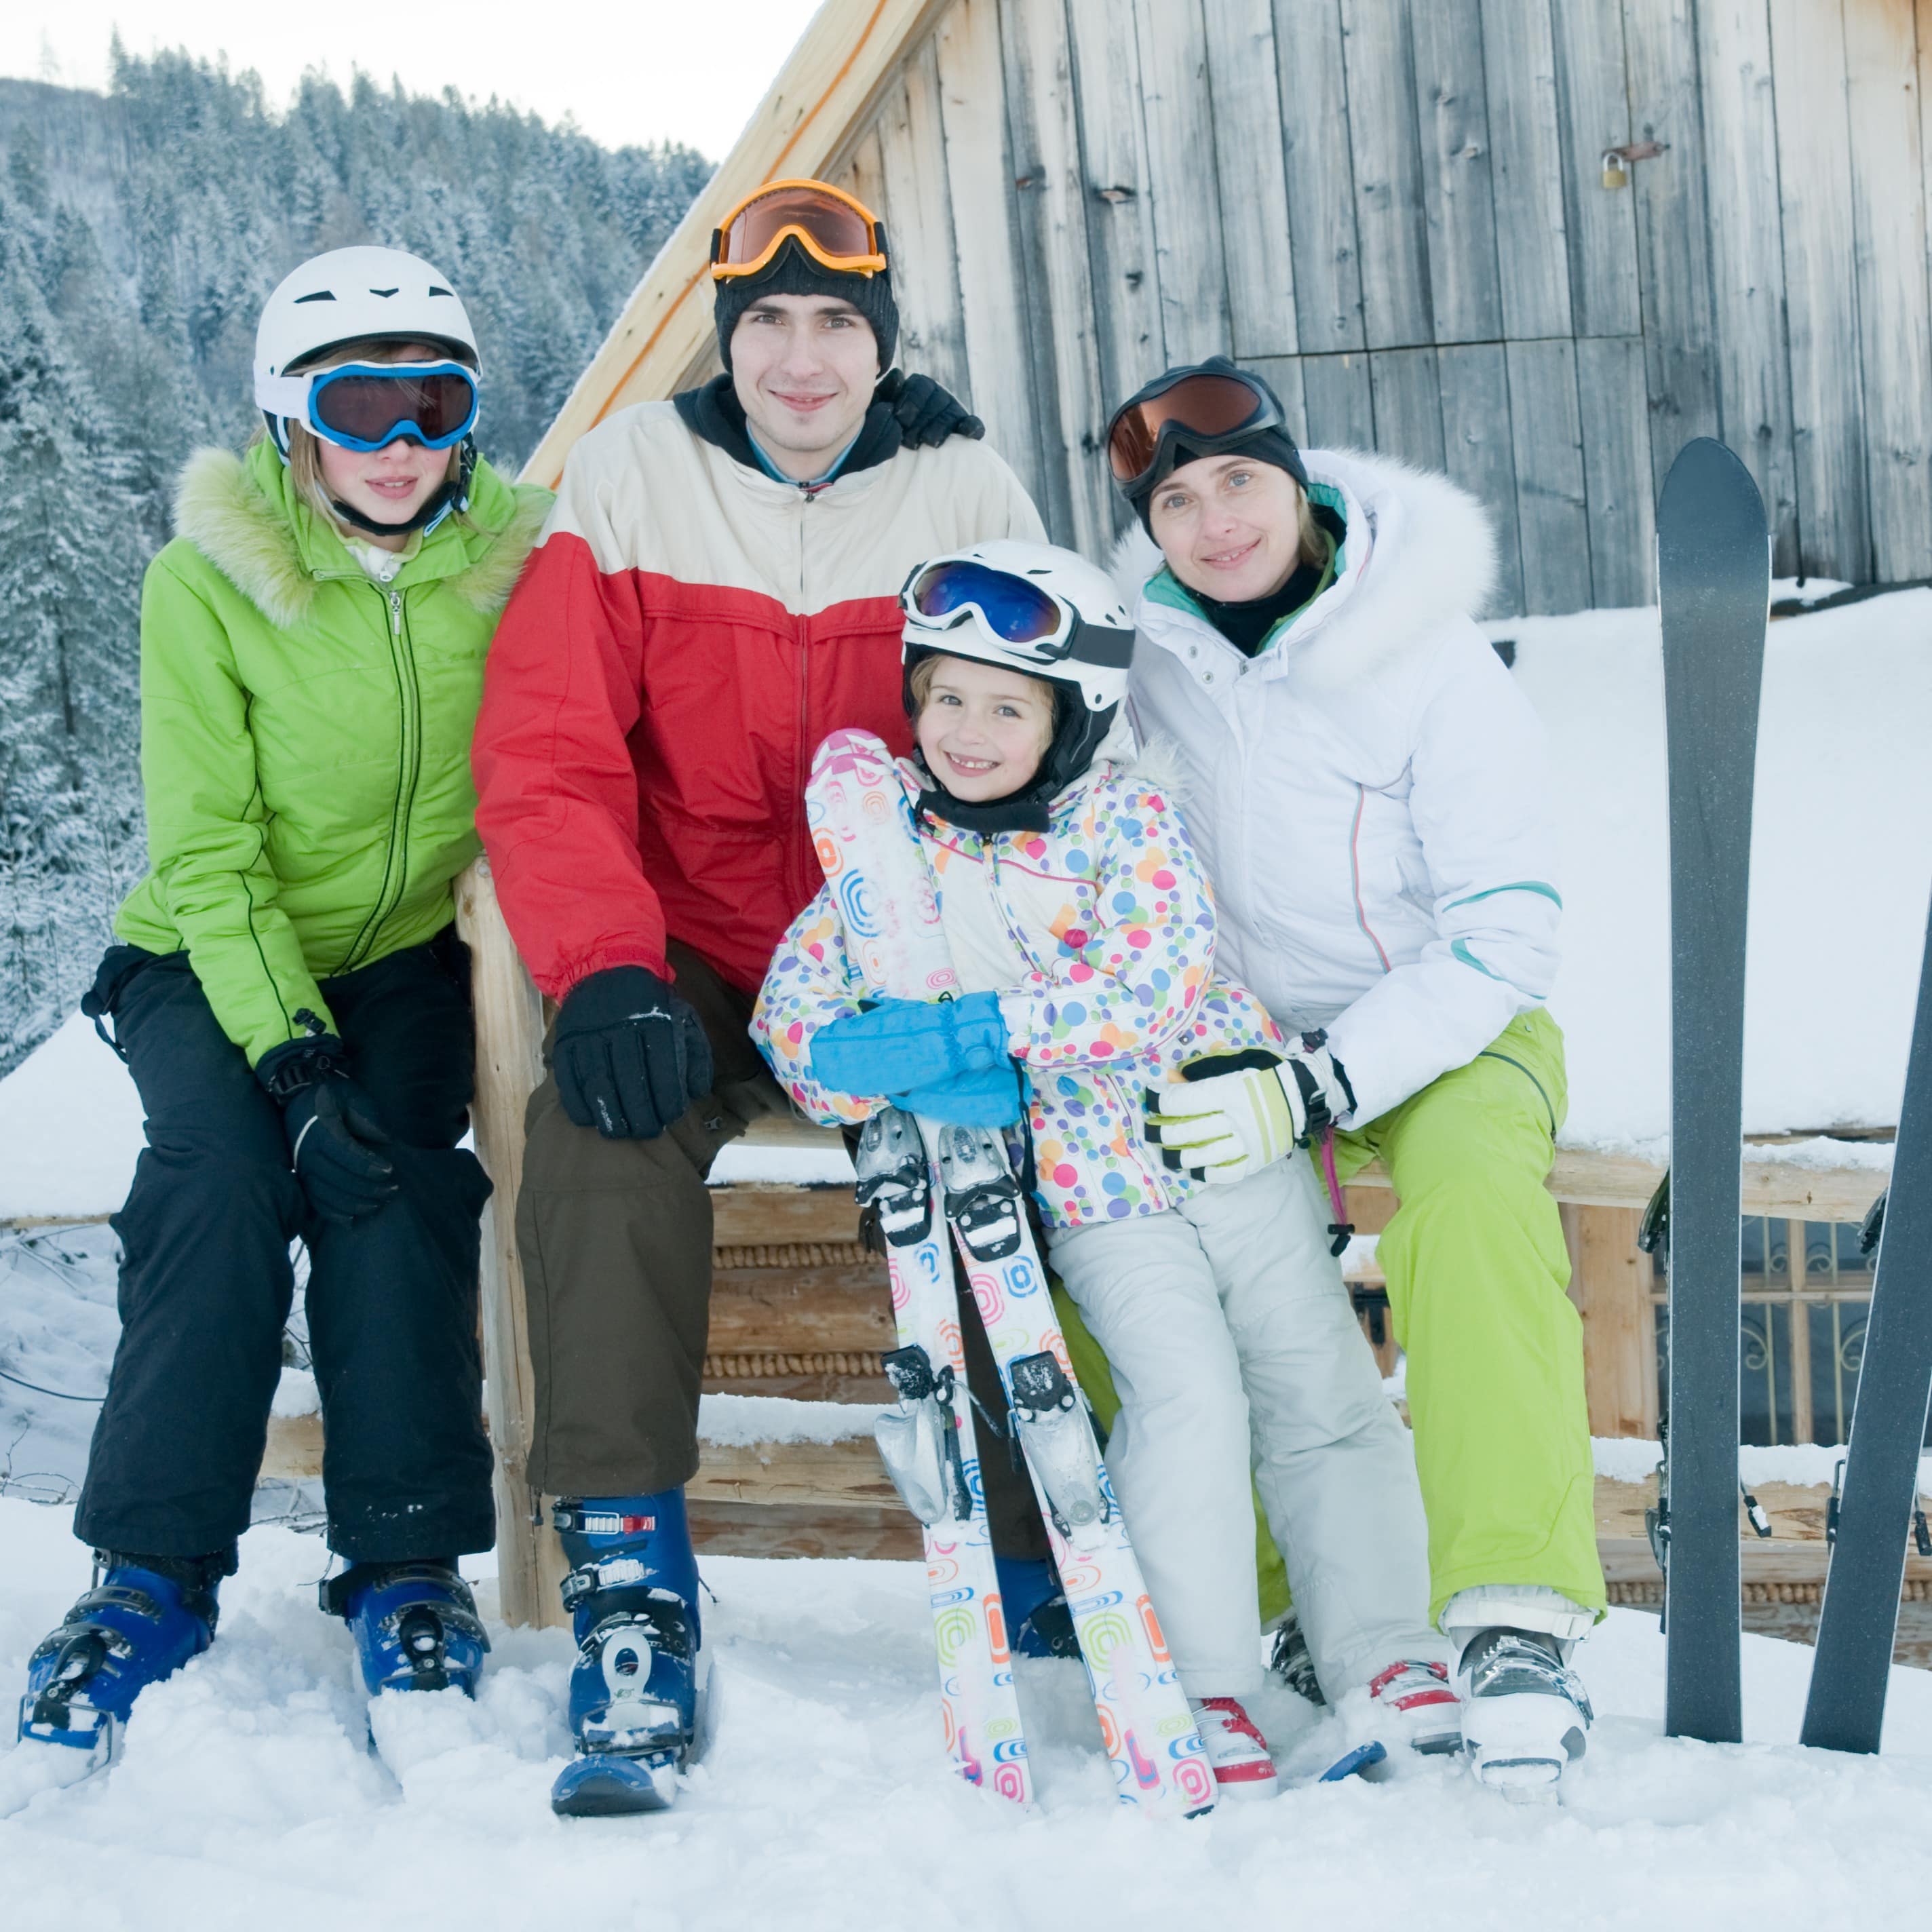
[[804, 368]]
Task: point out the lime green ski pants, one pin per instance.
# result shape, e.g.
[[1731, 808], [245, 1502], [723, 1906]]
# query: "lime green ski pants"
[[1477, 1274]]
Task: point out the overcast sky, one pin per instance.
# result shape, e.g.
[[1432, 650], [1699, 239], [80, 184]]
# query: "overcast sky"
[[629, 70]]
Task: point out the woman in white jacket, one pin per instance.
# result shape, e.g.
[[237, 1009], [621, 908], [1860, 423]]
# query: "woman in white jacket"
[[1369, 794]]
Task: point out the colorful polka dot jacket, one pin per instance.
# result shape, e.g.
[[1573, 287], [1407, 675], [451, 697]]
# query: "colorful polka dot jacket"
[[1099, 936]]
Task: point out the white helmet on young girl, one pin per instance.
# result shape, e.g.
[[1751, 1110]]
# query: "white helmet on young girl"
[[1031, 606], [357, 295]]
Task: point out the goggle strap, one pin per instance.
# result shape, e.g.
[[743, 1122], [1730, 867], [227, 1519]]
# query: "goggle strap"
[[288, 395]]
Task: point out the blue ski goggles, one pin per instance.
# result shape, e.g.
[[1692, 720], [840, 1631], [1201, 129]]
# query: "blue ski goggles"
[[367, 405], [1012, 611]]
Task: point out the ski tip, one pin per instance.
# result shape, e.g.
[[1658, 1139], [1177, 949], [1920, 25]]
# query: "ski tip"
[[1355, 1763], [847, 746], [1707, 474]]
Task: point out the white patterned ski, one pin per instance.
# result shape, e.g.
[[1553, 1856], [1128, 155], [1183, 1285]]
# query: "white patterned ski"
[[927, 1442], [869, 849]]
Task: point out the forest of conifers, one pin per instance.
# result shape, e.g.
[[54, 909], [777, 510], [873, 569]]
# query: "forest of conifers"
[[139, 231]]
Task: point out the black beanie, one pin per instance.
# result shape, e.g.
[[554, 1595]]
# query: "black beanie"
[[793, 272], [1273, 445]]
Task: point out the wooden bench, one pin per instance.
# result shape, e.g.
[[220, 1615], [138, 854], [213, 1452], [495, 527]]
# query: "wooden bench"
[[799, 1309]]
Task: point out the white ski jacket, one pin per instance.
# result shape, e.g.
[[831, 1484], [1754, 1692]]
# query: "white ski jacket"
[[1369, 794]]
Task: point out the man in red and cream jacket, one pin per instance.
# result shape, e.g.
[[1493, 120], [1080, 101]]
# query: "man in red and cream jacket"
[[716, 589]]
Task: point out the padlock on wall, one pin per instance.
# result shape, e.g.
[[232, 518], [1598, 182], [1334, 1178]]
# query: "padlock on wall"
[[1616, 175]]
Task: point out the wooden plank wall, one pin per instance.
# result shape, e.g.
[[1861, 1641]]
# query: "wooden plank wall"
[[1394, 209]]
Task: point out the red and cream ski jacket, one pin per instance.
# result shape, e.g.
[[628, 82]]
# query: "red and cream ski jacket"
[[689, 629]]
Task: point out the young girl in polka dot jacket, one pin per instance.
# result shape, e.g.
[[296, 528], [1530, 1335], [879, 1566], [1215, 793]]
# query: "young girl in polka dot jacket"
[[1082, 930]]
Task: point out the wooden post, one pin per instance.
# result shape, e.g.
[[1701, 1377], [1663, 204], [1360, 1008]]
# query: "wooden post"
[[509, 1064], [1609, 1282]]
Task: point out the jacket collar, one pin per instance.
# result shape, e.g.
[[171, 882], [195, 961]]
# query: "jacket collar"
[[1419, 553], [241, 513], [713, 414]]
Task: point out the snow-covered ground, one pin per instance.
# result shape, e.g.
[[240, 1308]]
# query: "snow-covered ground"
[[246, 1798]]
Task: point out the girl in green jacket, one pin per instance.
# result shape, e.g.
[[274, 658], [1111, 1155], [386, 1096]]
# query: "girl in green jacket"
[[292, 1002]]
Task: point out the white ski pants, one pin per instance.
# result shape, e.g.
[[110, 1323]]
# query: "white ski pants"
[[1234, 1348]]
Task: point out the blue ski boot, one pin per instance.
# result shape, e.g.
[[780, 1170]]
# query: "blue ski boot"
[[1038, 1623], [416, 1625], [137, 1626], [637, 1693]]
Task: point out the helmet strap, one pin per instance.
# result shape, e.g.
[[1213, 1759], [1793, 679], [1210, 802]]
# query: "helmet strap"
[[454, 495]]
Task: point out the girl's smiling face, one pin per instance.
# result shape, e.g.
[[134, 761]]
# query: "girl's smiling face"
[[982, 730]]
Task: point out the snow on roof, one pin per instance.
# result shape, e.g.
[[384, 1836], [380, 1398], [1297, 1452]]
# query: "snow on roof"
[[1841, 862]]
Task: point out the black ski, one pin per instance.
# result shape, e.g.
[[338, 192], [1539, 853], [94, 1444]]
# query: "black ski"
[[1714, 574], [1859, 1619]]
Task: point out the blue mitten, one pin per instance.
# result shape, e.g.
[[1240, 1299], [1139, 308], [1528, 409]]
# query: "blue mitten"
[[901, 1045], [994, 1098]]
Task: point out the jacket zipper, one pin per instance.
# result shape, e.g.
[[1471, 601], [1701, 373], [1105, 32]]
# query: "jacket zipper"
[[803, 886], [409, 770]]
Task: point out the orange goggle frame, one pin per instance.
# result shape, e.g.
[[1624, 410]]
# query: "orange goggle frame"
[[837, 231]]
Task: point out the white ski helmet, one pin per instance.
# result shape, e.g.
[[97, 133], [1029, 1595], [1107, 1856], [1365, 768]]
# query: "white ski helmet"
[[1032, 607], [356, 295]]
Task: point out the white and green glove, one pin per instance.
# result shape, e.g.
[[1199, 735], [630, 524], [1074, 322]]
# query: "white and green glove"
[[1232, 1115]]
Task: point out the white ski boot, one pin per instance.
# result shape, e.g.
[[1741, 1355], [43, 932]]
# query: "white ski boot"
[[1415, 1707], [1525, 1715], [1237, 1752]]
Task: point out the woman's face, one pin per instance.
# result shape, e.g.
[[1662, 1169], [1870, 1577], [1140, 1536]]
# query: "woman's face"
[[387, 486], [1229, 527]]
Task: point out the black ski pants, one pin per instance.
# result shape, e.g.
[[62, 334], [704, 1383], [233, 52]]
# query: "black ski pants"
[[206, 1280], [615, 1237]]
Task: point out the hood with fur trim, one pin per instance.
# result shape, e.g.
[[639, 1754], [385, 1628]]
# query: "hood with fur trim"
[[1419, 553], [239, 513]]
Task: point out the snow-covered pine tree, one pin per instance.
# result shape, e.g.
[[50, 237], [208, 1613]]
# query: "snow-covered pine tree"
[[71, 547]]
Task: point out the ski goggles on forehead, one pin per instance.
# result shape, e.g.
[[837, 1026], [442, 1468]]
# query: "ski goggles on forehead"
[[940, 594], [1207, 410], [836, 231], [367, 405]]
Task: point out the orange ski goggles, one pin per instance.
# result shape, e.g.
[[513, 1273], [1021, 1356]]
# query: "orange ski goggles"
[[837, 231]]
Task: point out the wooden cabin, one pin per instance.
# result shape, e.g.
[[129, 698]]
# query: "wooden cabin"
[[1538, 244]]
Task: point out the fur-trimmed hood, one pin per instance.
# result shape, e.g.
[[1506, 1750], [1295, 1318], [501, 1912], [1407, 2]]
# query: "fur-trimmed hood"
[[1419, 554], [239, 513]]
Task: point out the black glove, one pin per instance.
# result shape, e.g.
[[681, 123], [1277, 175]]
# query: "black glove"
[[332, 1129], [628, 1054], [927, 414]]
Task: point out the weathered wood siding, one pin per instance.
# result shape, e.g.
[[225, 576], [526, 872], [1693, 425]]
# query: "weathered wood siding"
[[1395, 209]]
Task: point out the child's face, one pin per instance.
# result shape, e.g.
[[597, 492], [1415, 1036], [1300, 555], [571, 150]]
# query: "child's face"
[[983, 729]]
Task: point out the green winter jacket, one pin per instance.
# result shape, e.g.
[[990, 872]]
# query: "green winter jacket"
[[305, 736]]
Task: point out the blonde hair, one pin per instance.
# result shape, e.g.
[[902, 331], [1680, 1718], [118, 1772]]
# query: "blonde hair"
[[920, 682], [304, 450]]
